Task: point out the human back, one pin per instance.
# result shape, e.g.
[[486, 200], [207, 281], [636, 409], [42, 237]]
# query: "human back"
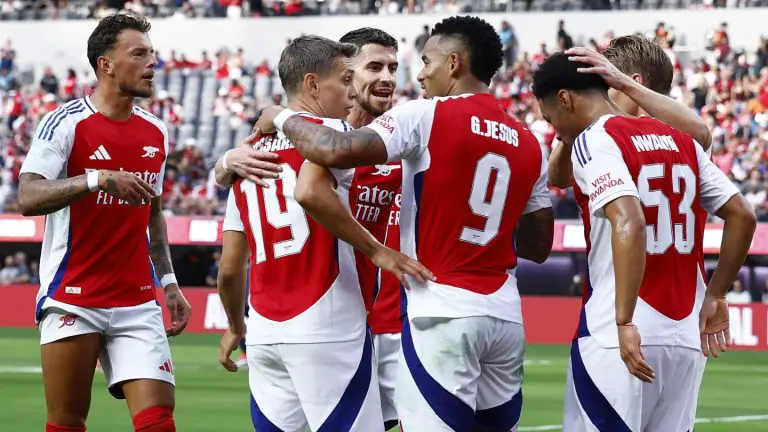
[[468, 192], [663, 165]]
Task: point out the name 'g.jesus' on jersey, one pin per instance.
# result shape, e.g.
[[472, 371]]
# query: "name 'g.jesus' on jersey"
[[469, 172], [675, 182]]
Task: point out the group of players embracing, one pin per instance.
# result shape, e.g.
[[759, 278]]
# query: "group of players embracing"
[[376, 246]]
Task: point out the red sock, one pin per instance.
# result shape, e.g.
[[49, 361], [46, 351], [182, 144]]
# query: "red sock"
[[50, 427], [154, 419]]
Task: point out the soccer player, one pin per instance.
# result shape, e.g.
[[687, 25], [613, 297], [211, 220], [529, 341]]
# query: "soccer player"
[[375, 199], [95, 169], [471, 174], [309, 352], [376, 196], [640, 185], [640, 75]]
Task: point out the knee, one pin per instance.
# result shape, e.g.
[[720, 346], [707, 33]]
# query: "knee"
[[154, 419]]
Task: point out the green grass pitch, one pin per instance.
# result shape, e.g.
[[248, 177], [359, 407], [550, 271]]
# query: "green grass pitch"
[[734, 395]]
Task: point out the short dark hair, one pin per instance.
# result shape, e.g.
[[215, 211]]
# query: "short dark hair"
[[104, 36], [369, 35], [558, 73], [635, 54], [481, 41], [309, 54]]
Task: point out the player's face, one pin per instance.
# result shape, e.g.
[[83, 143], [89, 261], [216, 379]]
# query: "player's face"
[[375, 70], [556, 109], [133, 63], [336, 92], [435, 77]]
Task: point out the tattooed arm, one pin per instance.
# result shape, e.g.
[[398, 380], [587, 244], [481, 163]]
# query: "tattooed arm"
[[40, 196], [159, 251], [329, 147]]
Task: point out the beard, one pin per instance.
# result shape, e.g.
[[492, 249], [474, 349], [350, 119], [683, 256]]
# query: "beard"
[[138, 91], [374, 109]]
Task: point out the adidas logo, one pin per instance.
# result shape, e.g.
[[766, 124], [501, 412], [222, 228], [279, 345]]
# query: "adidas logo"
[[100, 154], [167, 366]]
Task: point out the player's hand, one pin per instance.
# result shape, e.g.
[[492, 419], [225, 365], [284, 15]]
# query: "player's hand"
[[714, 326], [253, 164], [229, 342], [629, 347], [266, 121], [401, 265], [126, 186], [179, 308], [599, 65]]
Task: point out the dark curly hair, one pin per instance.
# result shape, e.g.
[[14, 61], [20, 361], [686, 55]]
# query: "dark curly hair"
[[558, 73], [104, 36], [481, 41], [369, 35]]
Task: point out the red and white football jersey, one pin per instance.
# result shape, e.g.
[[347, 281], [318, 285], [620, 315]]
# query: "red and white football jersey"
[[375, 202], [96, 251], [675, 181], [469, 172], [304, 286]]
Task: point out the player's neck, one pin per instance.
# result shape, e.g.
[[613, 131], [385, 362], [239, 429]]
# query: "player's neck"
[[301, 105], [598, 108], [112, 104], [473, 86], [359, 117]]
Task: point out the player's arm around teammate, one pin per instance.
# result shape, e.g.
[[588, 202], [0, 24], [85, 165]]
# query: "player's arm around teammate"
[[246, 162], [315, 192], [635, 88]]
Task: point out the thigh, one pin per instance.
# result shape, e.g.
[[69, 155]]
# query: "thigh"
[[439, 372], [275, 405], [499, 389], [675, 410], [68, 367], [137, 350], [607, 396], [387, 348], [336, 384]]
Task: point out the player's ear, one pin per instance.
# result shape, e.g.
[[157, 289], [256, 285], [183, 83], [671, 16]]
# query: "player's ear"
[[454, 63], [311, 83], [638, 79], [565, 99], [104, 63]]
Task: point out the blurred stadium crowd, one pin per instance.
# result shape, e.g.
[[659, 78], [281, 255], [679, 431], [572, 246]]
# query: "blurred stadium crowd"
[[233, 9], [211, 101]]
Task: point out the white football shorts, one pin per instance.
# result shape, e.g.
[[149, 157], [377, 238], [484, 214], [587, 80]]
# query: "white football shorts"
[[456, 374], [386, 347], [134, 342], [601, 394], [325, 387]]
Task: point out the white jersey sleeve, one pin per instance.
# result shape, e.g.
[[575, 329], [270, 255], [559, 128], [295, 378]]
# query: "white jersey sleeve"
[[600, 171], [714, 187], [161, 177], [405, 128], [540, 197], [51, 145], [232, 221]]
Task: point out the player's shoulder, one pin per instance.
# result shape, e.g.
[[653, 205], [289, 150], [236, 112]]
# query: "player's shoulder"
[[151, 118], [63, 119]]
